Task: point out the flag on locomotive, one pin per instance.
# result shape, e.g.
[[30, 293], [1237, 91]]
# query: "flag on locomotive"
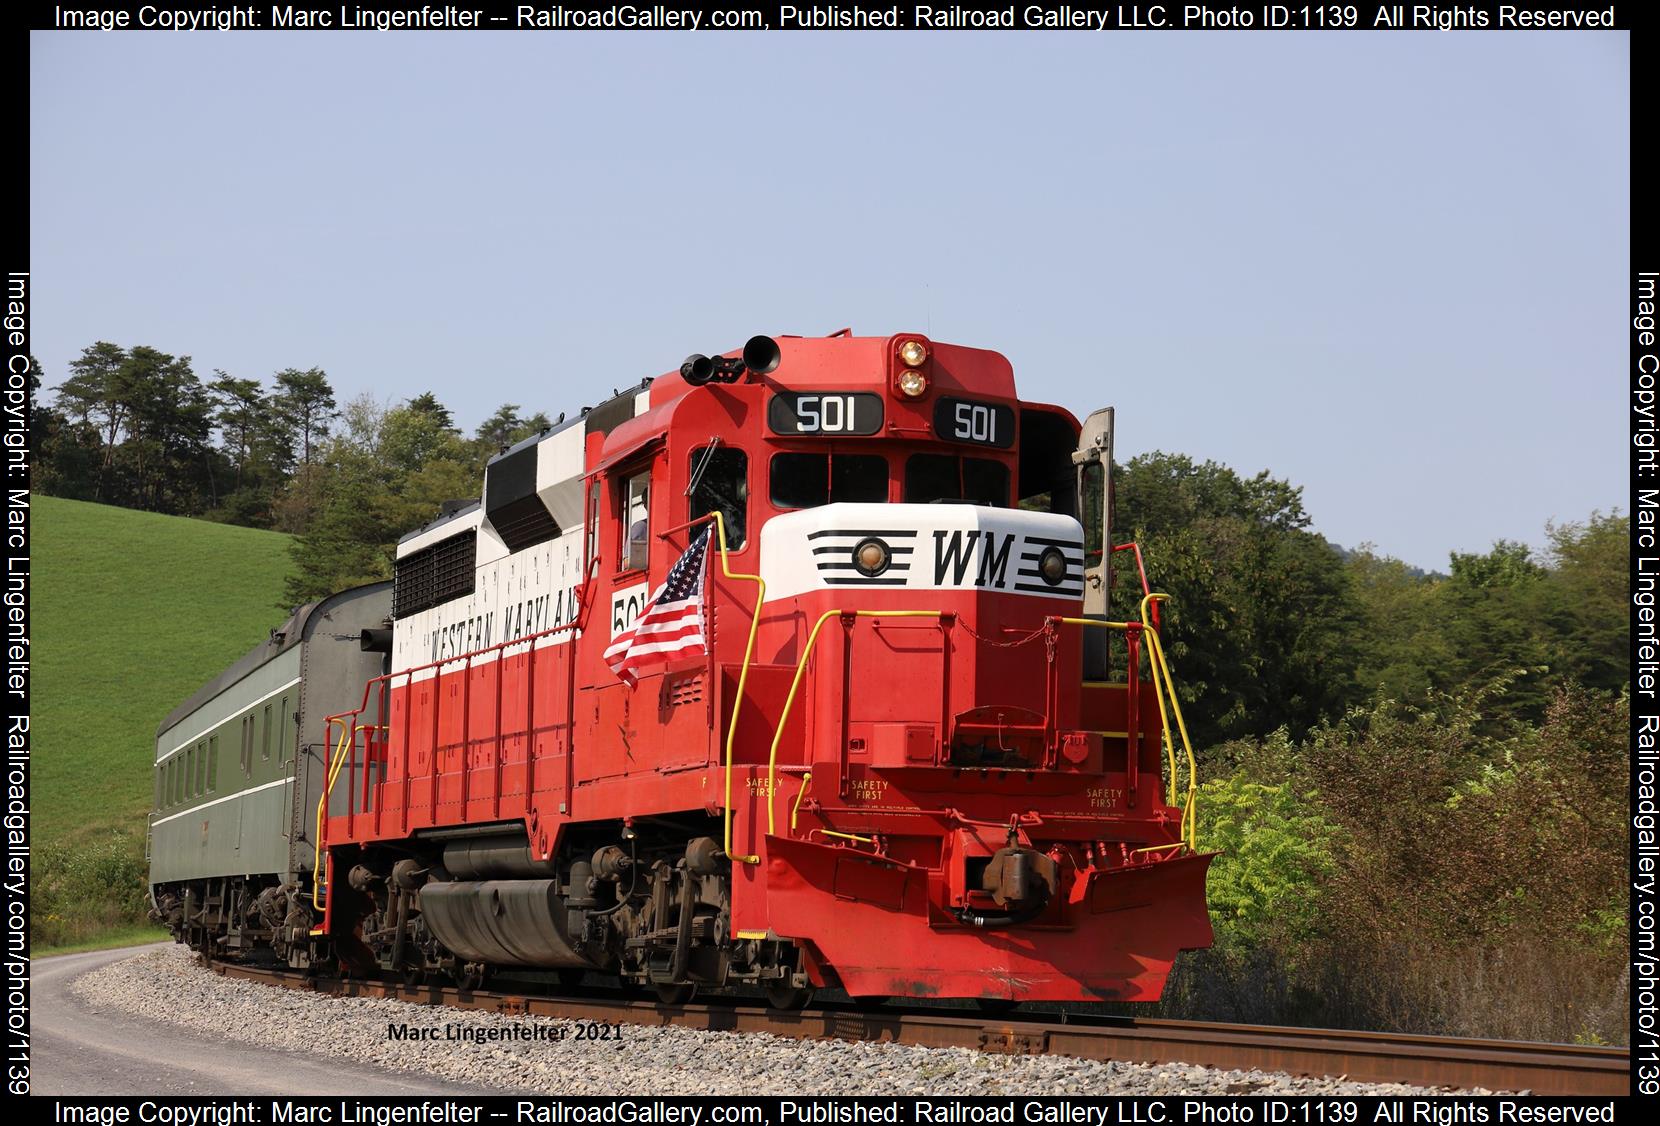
[[671, 625]]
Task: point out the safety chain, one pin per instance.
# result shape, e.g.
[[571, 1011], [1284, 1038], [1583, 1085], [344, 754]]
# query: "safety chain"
[[1026, 639]]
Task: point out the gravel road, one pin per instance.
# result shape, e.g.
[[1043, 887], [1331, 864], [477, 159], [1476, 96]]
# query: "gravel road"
[[127, 1009], [86, 1045]]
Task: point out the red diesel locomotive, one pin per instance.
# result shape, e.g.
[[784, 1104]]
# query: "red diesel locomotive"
[[905, 755]]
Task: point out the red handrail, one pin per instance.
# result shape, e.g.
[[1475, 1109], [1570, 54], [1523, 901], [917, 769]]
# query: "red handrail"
[[1141, 568], [579, 622]]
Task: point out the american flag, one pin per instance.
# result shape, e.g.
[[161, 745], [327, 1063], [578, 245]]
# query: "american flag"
[[671, 625]]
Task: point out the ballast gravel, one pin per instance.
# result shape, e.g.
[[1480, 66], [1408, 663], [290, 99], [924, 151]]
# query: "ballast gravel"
[[170, 986]]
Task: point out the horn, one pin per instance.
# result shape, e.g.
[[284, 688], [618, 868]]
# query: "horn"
[[697, 369], [761, 354]]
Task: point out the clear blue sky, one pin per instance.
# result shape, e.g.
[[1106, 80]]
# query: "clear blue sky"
[[1390, 267]]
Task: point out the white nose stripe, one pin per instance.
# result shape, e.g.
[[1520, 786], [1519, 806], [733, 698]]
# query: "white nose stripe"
[[930, 547]]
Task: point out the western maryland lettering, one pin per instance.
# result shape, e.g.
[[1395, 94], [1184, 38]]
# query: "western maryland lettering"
[[954, 551], [524, 618]]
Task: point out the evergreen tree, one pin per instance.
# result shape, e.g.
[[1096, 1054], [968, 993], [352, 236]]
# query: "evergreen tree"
[[239, 408], [506, 428], [95, 397], [167, 454], [497, 432], [306, 401], [304, 404], [427, 403]]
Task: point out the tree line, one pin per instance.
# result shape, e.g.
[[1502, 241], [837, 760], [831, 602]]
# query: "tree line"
[[137, 427], [1416, 782], [1271, 625], [1414, 779]]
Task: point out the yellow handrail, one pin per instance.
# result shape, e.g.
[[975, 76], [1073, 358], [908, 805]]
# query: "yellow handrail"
[[331, 771], [1163, 683], [1162, 666], [795, 685], [845, 836], [743, 678], [795, 810]]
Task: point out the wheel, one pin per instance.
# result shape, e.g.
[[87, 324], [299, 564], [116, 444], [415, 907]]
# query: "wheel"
[[995, 1006], [412, 974], [675, 994], [469, 977], [789, 998]]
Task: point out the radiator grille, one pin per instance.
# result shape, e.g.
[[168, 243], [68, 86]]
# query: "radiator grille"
[[434, 574]]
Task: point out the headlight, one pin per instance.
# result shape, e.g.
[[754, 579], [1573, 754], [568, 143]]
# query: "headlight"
[[913, 383], [912, 353], [871, 557], [1052, 566]]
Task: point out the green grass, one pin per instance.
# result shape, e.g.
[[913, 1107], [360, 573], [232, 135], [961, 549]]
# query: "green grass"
[[131, 613], [106, 940]]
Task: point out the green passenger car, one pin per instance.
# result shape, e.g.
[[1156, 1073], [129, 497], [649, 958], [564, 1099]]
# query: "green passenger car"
[[239, 770]]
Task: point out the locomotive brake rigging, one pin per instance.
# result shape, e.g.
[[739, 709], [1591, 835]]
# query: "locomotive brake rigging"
[[881, 735]]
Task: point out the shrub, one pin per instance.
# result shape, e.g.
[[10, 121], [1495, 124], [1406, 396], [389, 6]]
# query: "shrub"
[[80, 890]]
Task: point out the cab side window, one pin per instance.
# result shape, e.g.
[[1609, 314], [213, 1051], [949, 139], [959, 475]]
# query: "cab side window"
[[636, 523], [593, 523], [1091, 510], [720, 483]]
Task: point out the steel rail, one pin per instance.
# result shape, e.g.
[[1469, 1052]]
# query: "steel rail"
[[1370, 1057]]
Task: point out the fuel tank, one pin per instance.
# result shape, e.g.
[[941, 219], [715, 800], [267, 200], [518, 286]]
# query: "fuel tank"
[[503, 922]]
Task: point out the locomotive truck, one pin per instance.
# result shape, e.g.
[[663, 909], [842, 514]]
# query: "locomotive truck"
[[910, 757]]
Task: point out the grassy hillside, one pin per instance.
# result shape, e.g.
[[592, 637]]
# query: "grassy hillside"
[[131, 613]]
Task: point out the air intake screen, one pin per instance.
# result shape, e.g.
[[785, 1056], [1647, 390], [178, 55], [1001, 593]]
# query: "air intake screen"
[[434, 574]]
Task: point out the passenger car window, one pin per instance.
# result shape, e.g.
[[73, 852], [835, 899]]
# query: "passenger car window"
[[721, 484], [977, 480], [809, 480]]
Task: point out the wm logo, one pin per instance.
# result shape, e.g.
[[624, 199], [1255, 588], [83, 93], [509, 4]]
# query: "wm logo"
[[955, 552]]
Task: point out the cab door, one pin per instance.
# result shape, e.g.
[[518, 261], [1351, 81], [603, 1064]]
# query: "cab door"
[[1093, 461]]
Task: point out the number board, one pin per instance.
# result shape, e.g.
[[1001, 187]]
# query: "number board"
[[982, 424], [831, 412]]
